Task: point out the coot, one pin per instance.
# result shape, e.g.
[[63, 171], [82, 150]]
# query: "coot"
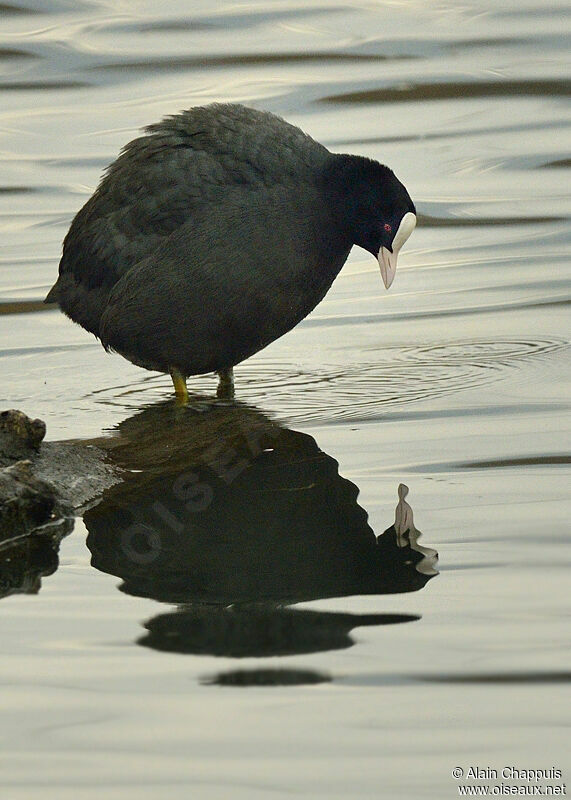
[[215, 233]]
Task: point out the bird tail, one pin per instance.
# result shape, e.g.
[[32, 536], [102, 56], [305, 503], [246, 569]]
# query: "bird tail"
[[53, 294]]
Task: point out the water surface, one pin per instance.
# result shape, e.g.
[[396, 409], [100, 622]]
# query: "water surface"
[[271, 646]]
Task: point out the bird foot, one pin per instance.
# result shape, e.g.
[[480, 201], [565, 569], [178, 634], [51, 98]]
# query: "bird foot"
[[225, 389], [180, 390]]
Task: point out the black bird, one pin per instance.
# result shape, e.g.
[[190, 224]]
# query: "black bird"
[[216, 232]]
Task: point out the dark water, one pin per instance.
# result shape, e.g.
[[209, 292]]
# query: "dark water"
[[252, 637]]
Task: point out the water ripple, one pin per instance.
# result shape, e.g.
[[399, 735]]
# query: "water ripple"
[[396, 378], [7, 53], [225, 21], [8, 9], [426, 220], [496, 130], [459, 90], [38, 86], [175, 63], [401, 376]]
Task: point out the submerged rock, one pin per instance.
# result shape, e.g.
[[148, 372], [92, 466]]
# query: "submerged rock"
[[41, 481], [41, 487], [79, 471]]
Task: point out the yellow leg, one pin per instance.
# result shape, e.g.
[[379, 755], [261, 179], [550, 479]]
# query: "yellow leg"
[[180, 390]]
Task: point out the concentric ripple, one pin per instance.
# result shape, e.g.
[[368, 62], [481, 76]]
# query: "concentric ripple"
[[398, 377], [394, 379]]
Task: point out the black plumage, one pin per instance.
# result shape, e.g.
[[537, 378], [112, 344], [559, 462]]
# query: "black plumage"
[[215, 233]]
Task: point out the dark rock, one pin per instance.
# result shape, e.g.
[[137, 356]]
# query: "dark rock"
[[27, 503], [20, 436]]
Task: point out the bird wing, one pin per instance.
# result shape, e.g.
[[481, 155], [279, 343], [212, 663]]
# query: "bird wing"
[[183, 164], [226, 283]]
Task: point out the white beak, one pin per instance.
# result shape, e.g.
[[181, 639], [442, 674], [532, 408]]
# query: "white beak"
[[388, 260]]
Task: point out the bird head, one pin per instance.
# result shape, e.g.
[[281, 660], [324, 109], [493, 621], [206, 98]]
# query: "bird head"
[[377, 209]]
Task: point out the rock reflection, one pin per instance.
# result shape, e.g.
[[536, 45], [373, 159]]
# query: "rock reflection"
[[231, 517], [25, 560]]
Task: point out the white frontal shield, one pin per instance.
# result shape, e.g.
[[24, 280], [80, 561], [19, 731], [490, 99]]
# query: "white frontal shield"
[[388, 260]]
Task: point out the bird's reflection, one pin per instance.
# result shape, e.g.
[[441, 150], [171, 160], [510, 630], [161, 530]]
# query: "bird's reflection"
[[231, 516], [245, 631]]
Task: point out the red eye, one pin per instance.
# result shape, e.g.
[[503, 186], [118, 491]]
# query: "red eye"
[[387, 227]]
